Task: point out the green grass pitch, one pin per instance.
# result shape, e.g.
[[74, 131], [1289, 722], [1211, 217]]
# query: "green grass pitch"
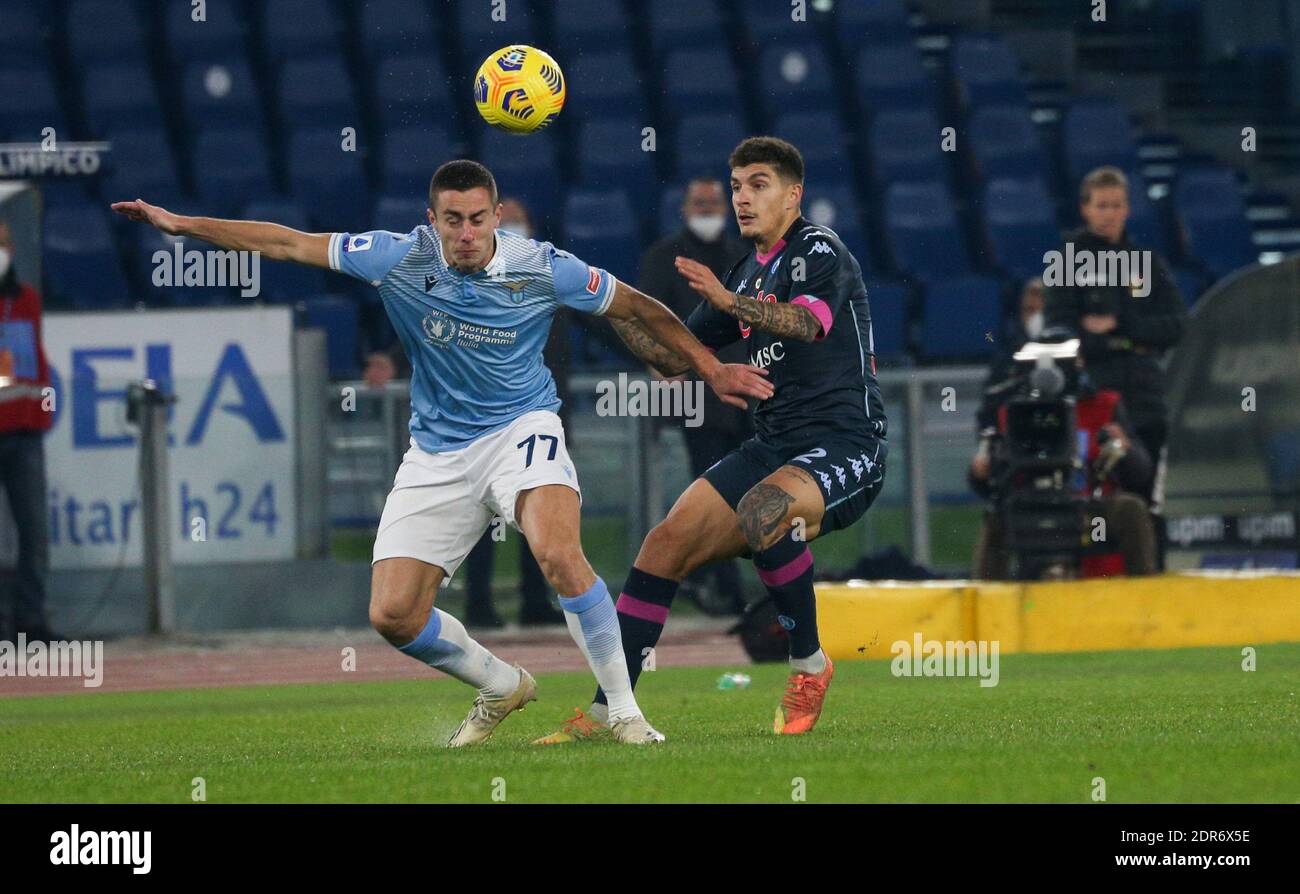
[[1187, 725]]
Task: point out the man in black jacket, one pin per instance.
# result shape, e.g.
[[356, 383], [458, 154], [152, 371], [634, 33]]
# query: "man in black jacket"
[[722, 428], [1125, 327]]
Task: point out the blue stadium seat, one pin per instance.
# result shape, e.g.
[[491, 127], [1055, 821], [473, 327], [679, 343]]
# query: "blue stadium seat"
[[317, 90], [231, 167], [1021, 225], [891, 76], [412, 89], [295, 28], [411, 155], [1004, 143], [670, 211], [581, 25], [960, 318], [81, 264], [879, 21], [221, 93], [600, 228], [1097, 132], [922, 231], [1213, 215], [610, 156], [821, 140], [22, 39], [1145, 225], [1191, 284], [796, 76], [480, 34], [328, 182], [685, 23], [704, 142], [888, 302], [400, 213], [905, 146], [104, 31], [699, 79], [986, 71], [140, 165], [285, 282], [610, 85], [28, 103], [222, 34], [772, 23], [67, 192], [835, 205], [393, 27], [337, 315], [526, 168], [120, 96]]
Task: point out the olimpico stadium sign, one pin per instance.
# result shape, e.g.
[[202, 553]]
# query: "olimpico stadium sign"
[[51, 159]]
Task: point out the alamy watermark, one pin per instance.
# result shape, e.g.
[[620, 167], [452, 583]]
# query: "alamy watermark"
[[211, 269], [662, 397], [950, 658], [61, 658], [1085, 267]]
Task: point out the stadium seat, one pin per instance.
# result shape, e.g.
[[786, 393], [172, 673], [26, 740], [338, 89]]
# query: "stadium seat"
[[28, 103], [888, 302], [610, 85], [670, 211], [772, 23], [1191, 285], [704, 142], [224, 32], [120, 96], [284, 282], [328, 182], [699, 79], [317, 91], [1096, 132], [891, 76], [685, 23], [835, 205], [822, 142], [584, 24], [221, 93], [296, 28], [922, 231], [22, 39], [393, 27], [399, 213], [1213, 215], [104, 31], [480, 34], [986, 71], [230, 166], [412, 89], [1145, 225], [905, 146], [960, 318], [139, 164], [610, 156], [532, 176], [411, 155], [1021, 225], [600, 228], [796, 76], [144, 243], [880, 21], [337, 315], [1004, 142], [81, 264]]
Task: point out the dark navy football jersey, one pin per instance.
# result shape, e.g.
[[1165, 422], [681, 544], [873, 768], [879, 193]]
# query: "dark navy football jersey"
[[828, 385]]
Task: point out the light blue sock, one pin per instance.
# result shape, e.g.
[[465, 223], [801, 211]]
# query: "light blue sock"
[[593, 624], [445, 644]]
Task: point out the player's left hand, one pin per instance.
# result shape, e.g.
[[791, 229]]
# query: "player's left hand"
[[733, 382], [701, 279]]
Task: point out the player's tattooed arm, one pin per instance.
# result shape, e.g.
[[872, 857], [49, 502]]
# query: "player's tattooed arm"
[[786, 320], [667, 363]]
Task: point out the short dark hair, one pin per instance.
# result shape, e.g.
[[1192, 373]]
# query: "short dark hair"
[[1101, 178], [782, 156], [462, 175]]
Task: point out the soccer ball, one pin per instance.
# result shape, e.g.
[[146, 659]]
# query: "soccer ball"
[[519, 89]]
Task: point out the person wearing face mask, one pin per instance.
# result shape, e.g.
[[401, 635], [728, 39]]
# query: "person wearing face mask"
[[24, 374], [703, 238]]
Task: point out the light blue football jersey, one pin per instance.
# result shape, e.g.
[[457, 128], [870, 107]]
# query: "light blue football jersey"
[[474, 340]]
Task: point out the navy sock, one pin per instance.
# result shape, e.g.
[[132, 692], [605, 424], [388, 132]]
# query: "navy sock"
[[786, 569], [642, 610]]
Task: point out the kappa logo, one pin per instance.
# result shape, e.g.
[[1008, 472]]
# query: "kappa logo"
[[430, 281], [868, 462], [826, 479], [821, 248], [741, 287], [856, 466], [839, 474], [438, 330]]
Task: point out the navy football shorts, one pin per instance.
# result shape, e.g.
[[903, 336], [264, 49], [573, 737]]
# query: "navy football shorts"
[[851, 472]]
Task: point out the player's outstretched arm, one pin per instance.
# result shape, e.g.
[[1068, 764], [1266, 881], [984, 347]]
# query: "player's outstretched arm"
[[786, 320], [272, 240], [654, 334]]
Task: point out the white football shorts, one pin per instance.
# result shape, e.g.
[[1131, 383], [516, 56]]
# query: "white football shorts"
[[441, 503]]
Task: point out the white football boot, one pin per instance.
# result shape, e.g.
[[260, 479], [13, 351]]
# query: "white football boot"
[[487, 714]]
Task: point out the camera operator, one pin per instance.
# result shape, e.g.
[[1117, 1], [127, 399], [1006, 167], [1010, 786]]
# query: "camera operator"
[[1125, 329], [1116, 469]]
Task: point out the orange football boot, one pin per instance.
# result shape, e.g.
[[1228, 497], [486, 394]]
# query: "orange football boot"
[[802, 704]]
